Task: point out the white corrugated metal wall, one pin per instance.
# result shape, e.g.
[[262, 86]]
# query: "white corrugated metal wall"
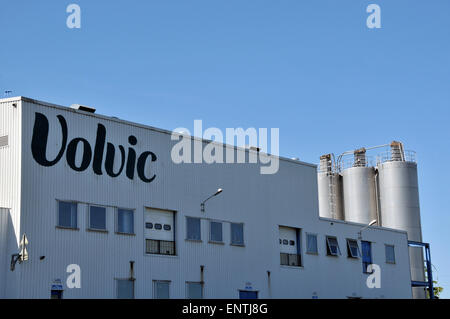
[[261, 202], [10, 180]]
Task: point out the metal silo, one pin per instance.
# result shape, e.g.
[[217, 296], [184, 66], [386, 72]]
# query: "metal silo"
[[360, 199], [399, 203], [330, 189]]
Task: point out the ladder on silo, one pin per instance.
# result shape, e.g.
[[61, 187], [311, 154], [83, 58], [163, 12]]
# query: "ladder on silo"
[[332, 196]]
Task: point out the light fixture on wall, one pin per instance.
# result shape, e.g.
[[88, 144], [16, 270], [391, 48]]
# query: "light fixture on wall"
[[202, 205], [373, 222]]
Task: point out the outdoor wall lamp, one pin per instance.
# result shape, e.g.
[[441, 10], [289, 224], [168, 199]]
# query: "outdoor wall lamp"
[[373, 222], [202, 205]]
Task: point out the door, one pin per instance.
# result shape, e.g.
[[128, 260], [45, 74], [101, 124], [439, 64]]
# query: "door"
[[366, 255], [243, 294]]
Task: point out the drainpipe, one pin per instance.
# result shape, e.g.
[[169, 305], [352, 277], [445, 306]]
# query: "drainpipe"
[[132, 271], [202, 275]]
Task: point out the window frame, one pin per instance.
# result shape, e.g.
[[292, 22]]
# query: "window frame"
[[132, 284], [133, 211], [328, 246], [58, 225], [90, 228], [210, 232], [231, 235], [199, 231], [307, 242], [393, 252], [197, 283], [155, 289], [349, 248]]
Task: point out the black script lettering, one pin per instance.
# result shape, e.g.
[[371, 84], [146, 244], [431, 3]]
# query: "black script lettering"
[[40, 140], [72, 152], [141, 166]]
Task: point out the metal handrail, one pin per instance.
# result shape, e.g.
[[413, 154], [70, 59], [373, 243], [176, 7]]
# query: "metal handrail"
[[409, 156]]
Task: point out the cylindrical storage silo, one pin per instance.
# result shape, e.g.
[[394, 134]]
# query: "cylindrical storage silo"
[[360, 201], [330, 189], [330, 195], [399, 209]]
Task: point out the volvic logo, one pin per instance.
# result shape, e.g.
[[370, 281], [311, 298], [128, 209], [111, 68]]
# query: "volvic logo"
[[39, 150]]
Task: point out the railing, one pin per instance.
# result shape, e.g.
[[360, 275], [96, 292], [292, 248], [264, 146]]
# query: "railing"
[[389, 156], [290, 260], [159, 247], [348, 162]]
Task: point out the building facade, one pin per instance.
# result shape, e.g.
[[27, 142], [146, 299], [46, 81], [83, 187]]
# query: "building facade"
[[101, 198]]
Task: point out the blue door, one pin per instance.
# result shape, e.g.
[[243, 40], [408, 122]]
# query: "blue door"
[[366, 255], [248, 294]]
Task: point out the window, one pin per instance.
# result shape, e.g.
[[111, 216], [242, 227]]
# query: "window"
[[125, 289], [67, 215], [149, 225], [97, 218], [294, 260], [390, 254], [193, 228], [311, 244], [237, 234], [333, 246], [159, 247], [125, 221], [167, 227], [215, 232], [194, 290], [161, 289], [158, 226], [366, 255], [352, 248]]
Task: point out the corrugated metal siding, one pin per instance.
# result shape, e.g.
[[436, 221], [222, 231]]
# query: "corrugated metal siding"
[[4, 218], [261, 202], [10, 180]]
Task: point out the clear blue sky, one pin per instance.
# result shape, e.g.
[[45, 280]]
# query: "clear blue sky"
[[311, 68]]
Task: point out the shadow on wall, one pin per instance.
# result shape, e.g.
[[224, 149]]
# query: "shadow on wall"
[[8, 247]]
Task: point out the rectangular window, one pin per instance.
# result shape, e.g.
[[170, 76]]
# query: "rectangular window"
[[159, 247], [390, 254], [294, 260], [215, 232], [352, 248], [193, 231], [237, 234], [311, 244], [125, 221], [125, 289], [194, 290], [161, 289], [366, 247], [97, 218], [333, 246], [67, 215]]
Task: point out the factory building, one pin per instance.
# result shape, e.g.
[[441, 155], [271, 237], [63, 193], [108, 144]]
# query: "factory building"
[[94, 207]]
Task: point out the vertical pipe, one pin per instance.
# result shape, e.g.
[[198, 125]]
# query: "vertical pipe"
[[269, 286]]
